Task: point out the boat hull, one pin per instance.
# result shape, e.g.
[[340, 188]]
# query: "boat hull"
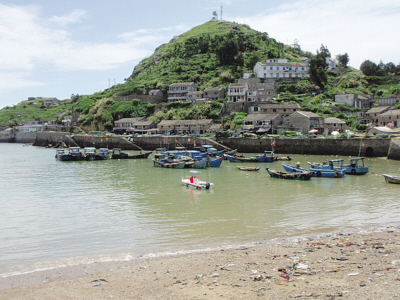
[[288, 175], [216, 163], [338, 173], [392, 179], [200, 185]]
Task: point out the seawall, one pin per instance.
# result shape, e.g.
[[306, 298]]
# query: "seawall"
[[371, 147]]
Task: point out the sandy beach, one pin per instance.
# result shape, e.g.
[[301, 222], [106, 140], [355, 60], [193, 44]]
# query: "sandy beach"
[[362, 265]]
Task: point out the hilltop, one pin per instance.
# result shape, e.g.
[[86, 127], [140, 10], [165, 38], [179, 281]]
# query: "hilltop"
[[213, 54]]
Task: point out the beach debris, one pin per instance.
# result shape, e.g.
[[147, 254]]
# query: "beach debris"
[[396, 261], [99, 280], [352, 274], [198, 276]]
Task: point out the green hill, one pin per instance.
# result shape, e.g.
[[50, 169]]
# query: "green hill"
[[213, 54]]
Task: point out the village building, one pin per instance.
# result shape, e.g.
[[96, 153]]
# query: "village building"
[[200, 126], [389, 118], [334, 124], [51, 101], [157, 93], [261, 123], [388, 101], [166, 126], [280, 68], [194, 96], [30, 128], [215, 127], [259, 91], [355, 100], [374, 113], [126, 124], [214, 94], [304, 122], [283, 110], [237, 92], [144, 126], [178, 91]]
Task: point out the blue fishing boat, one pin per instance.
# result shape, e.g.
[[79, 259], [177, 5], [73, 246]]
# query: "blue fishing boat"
[[76, 153], [318, 171], [215, 162], [356, 166], [103, 154], [62, 155], [200, 164], [89, 153], [268, 156], [164, 161]]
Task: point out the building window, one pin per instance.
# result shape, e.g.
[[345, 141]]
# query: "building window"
[[277, 68], [265, 68], [272, 74], [271, 68], [277, 75]]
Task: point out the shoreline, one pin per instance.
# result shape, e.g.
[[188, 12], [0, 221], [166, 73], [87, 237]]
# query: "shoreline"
[[353, 264]]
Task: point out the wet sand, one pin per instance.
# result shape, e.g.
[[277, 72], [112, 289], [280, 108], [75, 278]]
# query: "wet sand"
[[362, 265]]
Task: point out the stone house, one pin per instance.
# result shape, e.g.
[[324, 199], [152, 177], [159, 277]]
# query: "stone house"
[[51, 101], [200, 126], [261, 123], [126, 124], [214, 94], [178, 91], [194, 96], [215, 127], [259, 91], [283, 110], [166, 126], [144, 126], [237, 92], [334, 124], [280, 68], [157, 93], [355, 100], [388, 101], [303, 121], [390, 117], [374, 113]]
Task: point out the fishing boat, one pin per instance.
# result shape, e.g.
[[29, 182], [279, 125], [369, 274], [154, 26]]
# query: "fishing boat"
[[306, 175], [76, 153], [200, 163], [215, 162], [248, 168], [89, 153], [210, 150], [317, 172], [392, 178], [164, 161], [196, 183], [102, 154], [268, 156], [334, 168], [116, 153], [63, 155], [356, 166]]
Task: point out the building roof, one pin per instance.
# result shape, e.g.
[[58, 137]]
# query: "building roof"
[[238, 84], [392, 112], [279, 105], [154, 91], [194, 122], [377, 109], [293, 64], [182, 84], [308, 114], [129, 119], [261, 117], [167, 122], [333, 120], [143, 123], [214, 89]]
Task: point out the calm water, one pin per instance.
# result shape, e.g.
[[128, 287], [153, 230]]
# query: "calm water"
[[56, 213]]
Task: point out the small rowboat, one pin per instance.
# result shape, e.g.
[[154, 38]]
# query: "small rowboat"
[[248, 168], [391, 178], [306, 175]]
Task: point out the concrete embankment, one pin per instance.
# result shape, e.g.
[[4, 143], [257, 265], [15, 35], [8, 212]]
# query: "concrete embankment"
[[371, 147]]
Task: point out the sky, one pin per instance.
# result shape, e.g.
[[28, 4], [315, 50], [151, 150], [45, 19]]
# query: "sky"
[[58, 48]]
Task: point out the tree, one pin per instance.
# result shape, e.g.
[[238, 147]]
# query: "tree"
[[343, 59], [318, 66], [369, 68], [226, 51]]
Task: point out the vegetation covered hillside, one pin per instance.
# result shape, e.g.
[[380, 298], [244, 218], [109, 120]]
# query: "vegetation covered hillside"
[[213, 54]]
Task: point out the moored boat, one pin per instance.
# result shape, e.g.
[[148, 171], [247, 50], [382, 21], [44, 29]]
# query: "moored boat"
[[116, 153], [62, 155], [306, 175], [248, 168], [318, 172], [89, 153], [163, 161], [392, 178], [267, 156], [356, 166], [215, 162], [282, 158], [76, 153], [102, 154]]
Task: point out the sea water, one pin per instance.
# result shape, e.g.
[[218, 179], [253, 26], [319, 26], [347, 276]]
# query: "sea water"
[[57, 213]]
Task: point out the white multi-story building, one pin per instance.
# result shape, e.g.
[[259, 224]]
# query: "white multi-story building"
[[179, 91], [280, 68]]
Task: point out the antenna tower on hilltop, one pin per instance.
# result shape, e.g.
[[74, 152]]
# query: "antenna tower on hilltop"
[[221, 12]]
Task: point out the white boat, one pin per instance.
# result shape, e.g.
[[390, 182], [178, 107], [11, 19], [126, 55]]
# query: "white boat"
[[391, 178], [196, 183]]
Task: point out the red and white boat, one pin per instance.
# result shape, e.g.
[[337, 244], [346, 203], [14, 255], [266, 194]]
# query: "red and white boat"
[[196, 183]]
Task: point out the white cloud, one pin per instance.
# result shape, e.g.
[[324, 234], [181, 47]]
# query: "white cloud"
[[74, 17], [363, 29]]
